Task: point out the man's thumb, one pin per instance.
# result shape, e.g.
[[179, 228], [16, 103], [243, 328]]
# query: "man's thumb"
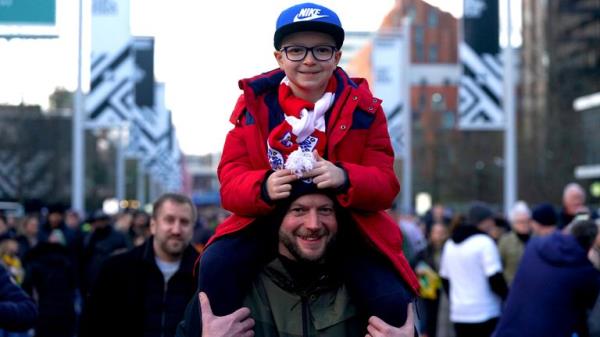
[[317, 155], [205, 309]]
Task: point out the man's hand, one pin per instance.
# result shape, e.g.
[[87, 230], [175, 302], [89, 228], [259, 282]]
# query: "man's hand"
[[379, 328], [278, 184], [237, 324], [325, 174]]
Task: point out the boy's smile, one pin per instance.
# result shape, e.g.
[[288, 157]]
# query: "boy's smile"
[[309, 76]]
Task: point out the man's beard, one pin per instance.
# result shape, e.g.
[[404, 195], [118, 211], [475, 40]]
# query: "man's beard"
[[293, 248], [172, 249]]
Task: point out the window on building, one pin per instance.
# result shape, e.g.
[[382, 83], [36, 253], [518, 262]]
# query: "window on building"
[[433, 53], [432, 18], [419, 53], [419, 34], [422, 101], [448, 119], [438, 102], [411, 12]]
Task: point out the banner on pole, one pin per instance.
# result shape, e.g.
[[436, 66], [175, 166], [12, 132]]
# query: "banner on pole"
[[480, 88], [387, 62], [109, 100]]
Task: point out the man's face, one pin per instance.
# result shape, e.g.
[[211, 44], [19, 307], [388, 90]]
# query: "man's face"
[[307, 228], [172, 229], [55, 219], [309, 77], [521, 223], [574, 201]]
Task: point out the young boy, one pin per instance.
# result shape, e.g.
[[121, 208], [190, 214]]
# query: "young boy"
[[311, 105]]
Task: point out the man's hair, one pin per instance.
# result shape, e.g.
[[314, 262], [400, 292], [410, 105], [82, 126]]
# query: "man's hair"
[[176, 198], [573, 187], [520, 207], [585, 232]]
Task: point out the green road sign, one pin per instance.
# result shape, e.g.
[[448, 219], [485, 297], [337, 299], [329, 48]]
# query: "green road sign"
[[27, 12]]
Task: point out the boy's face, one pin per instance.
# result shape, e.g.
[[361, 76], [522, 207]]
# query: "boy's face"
[[308, 77]]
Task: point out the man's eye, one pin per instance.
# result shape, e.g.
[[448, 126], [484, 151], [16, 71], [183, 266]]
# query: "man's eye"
[[326, 211], [297, 210]]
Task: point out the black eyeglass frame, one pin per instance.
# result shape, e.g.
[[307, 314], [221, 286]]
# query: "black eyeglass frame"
[[306, 50]]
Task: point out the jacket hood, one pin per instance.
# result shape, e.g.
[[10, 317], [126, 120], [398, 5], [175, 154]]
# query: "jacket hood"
[[463, 232], [560, 249]]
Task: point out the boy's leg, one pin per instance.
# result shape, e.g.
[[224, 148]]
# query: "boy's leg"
[[229, 265], [376, 287]]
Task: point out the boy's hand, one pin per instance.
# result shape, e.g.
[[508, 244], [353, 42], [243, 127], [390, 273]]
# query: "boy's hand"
[[278, 184], [326, 174], [237, 324], [379, 328]]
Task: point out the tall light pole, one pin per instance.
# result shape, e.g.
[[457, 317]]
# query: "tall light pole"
[[510, 162], [78, 149]]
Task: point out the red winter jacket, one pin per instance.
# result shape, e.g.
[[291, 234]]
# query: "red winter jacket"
[[357, 138]]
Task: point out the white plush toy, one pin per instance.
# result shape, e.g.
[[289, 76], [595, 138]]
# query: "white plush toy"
[[300, 161]]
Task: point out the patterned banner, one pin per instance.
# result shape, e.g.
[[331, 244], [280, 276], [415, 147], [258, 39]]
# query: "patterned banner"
[[480, 88], [387, 62]]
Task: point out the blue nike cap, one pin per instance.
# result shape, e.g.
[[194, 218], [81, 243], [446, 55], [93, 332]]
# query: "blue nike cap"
[[308, 17]]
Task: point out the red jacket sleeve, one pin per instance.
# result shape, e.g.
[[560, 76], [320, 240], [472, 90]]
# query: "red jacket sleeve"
[[240, 175], [373, 183]]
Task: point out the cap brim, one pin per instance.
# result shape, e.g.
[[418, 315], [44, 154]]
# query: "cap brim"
[[310, 26]]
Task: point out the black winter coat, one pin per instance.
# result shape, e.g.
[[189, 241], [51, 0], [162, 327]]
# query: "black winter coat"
[[51, 275], [130, 297]]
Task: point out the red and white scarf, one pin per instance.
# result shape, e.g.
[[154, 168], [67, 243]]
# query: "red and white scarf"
[[303, 127]]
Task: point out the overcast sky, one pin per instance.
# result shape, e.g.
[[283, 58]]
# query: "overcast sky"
[[201, 50]]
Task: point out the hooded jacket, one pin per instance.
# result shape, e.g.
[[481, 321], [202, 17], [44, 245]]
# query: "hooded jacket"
[[283, 303], [17, 309], [554, 285], [357, 140]]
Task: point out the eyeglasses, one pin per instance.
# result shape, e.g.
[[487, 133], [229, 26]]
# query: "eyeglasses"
[[298, 53]]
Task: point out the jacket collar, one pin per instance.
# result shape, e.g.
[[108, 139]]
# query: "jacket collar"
[[187, 260], [267, 82]]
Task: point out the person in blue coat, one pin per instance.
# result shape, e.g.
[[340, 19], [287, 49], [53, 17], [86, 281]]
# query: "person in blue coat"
[[17, 310], [554, 286]]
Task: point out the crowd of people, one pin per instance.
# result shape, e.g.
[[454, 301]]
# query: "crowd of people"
[[57, 257], [536, 276], [483, 274]]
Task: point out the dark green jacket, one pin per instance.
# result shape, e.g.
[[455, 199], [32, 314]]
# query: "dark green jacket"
[[281, 309]]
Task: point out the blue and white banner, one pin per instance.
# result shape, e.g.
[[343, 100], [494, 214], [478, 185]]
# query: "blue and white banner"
[[109, 100], [387, 62], [481, 84]]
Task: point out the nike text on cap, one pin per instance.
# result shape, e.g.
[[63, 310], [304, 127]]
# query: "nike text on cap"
[[308, 17]]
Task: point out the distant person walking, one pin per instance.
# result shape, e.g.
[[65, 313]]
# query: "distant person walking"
[[471, 272], [573, 203], [144, 292], [512, 244], [554, 286]]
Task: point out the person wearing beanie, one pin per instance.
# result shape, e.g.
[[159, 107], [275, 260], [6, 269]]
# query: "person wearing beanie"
[[301, 291], [555, 286], [544, 219], [471, 272], [307, 121]]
